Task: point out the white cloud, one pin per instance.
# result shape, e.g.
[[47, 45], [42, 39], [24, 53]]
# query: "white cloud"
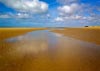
[[21, 15], [18, 15], [65, 9], [33, 6], [69, 12], [59, 19], [72, 17], [69, 9]]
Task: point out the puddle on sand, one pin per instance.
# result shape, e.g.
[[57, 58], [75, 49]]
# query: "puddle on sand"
[[47, 51]]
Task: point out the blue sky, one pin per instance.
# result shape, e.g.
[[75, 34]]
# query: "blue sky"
[[52, 3], [66, 12]]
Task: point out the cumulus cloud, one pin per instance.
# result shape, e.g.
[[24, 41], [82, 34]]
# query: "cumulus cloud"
[[74, 10], [33, 6], [69, 9]]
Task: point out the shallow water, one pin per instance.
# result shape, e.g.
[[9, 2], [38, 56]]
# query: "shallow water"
[[48, 51]]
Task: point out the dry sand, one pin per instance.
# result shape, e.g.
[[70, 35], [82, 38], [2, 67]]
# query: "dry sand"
[[89, 34], [12, 32]]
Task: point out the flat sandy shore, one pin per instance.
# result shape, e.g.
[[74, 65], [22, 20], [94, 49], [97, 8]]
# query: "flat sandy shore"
[[47, 51], [89, 34], [12, 32]]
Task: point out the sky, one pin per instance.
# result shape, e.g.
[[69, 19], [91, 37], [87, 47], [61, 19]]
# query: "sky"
[[49, 12]]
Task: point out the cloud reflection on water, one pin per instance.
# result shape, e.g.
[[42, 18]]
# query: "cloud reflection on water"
[[44, 50]]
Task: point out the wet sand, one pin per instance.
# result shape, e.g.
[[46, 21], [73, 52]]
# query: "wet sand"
[[89, 34], [12, 32], [48, 51]]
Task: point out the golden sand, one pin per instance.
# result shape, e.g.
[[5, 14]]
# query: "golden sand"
[[12, 32], [37, 55], [89, 34], [40, 55]]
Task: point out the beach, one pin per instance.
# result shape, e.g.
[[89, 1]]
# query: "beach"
[[44, 49]]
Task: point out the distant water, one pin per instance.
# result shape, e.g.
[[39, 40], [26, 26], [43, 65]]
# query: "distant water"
[[11, 22]]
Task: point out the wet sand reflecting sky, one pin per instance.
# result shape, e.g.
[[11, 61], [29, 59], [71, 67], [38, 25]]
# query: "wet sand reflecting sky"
[[48, 51]]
